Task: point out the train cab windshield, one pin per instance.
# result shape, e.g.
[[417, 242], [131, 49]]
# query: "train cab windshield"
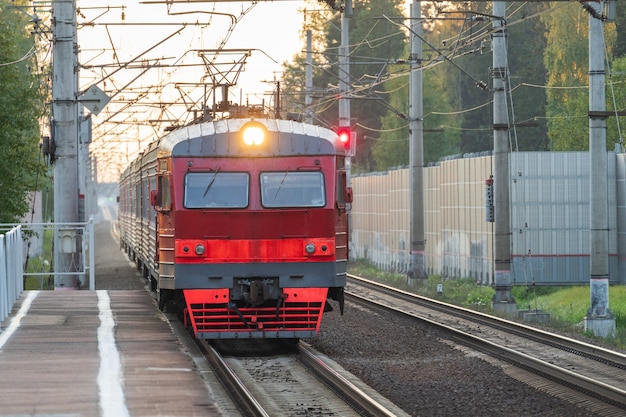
[[292, 189], [216, 189]]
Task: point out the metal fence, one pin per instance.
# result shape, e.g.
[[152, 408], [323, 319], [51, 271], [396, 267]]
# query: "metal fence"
[[549, 203], [11, 284], [45, 256]]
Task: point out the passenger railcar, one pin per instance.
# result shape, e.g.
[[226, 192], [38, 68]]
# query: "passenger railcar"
[[240, 225]]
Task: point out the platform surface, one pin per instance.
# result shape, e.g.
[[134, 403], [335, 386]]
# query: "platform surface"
[[96, 353]]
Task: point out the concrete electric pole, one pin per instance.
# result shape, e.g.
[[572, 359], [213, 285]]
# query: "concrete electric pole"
[[64, 127], [503, 299], [417, 271], [599, 319]]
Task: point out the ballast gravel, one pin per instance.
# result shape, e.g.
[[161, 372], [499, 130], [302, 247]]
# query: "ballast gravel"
[[418, 370]]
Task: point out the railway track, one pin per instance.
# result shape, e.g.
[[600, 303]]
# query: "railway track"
[[576, 371], [299, 382]]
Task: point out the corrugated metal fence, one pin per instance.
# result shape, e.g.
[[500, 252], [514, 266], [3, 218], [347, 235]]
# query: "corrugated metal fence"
[[549, 218]]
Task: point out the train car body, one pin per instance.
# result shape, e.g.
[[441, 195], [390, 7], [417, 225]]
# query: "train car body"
[[245, 236]]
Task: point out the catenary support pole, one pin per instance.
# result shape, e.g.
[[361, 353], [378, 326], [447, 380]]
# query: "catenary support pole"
[[65, 132], [417, 269], [599, 319], [503, 299]]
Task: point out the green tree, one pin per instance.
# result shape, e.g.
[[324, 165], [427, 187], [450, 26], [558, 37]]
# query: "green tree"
[[457, 100], [526, 105], [441, 124], [616, 101], [526, 43], [620, 26], [21, 109], [392, 146], [374, 43], [566, 59]]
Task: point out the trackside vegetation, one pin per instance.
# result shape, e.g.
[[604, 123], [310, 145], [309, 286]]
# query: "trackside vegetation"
[[22, 98], [567, 306], [41, 265]]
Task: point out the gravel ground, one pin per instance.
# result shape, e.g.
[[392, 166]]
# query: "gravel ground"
[[413, 366], [410, 364]]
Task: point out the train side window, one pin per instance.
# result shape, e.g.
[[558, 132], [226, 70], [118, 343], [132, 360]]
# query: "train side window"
[[293, 189], [152, 188], [165, 202], [341, 189], [216, 189], [137, 199], [344, 193], [145, 198]]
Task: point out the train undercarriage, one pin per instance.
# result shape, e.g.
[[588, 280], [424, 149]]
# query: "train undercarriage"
[[253, 308]]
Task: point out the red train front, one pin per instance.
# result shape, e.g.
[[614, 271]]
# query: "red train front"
[[241, 224]]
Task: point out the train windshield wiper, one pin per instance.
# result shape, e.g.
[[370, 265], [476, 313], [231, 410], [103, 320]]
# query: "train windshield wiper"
[[281, 184], [208, 187]]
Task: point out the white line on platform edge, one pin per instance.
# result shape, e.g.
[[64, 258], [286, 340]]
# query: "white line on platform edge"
[[112, 400], [15, 321]]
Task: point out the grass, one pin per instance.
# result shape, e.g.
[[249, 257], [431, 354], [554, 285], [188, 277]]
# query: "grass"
[[567, 305], [40, 264], [462, 291]]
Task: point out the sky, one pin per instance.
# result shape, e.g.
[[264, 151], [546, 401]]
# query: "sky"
[[140, 37], [159, 66], [270, 29]]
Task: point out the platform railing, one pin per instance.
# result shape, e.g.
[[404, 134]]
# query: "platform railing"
[[11, 280], [48, 255]]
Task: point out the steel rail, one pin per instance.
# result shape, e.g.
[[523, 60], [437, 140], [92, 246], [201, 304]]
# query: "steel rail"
[[345, 389], [597, 353], [597, 389], [244, 399]]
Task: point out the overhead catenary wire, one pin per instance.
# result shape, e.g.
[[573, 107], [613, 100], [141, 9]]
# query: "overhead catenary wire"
[[359, 88], [613, 97]]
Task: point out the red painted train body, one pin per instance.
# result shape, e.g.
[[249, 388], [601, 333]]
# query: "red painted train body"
[[244, 236]]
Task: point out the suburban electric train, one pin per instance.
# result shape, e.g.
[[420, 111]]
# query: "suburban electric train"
[[240, 225]]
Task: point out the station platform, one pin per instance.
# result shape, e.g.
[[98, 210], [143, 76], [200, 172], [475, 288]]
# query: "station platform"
[[107, 353]]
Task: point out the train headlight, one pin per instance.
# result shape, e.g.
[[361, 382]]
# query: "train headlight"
[[200, 249], [310, 248], [253, 133]]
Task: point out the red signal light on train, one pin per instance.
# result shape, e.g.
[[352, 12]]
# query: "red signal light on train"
[[345, 136]]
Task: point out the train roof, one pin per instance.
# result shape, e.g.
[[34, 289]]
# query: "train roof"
[[223, 138]]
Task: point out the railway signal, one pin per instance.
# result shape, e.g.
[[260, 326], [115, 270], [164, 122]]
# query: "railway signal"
[[345, 137]]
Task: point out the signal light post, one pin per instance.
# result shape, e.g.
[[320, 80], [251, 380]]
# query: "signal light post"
[[345, 137], [344, 80]]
